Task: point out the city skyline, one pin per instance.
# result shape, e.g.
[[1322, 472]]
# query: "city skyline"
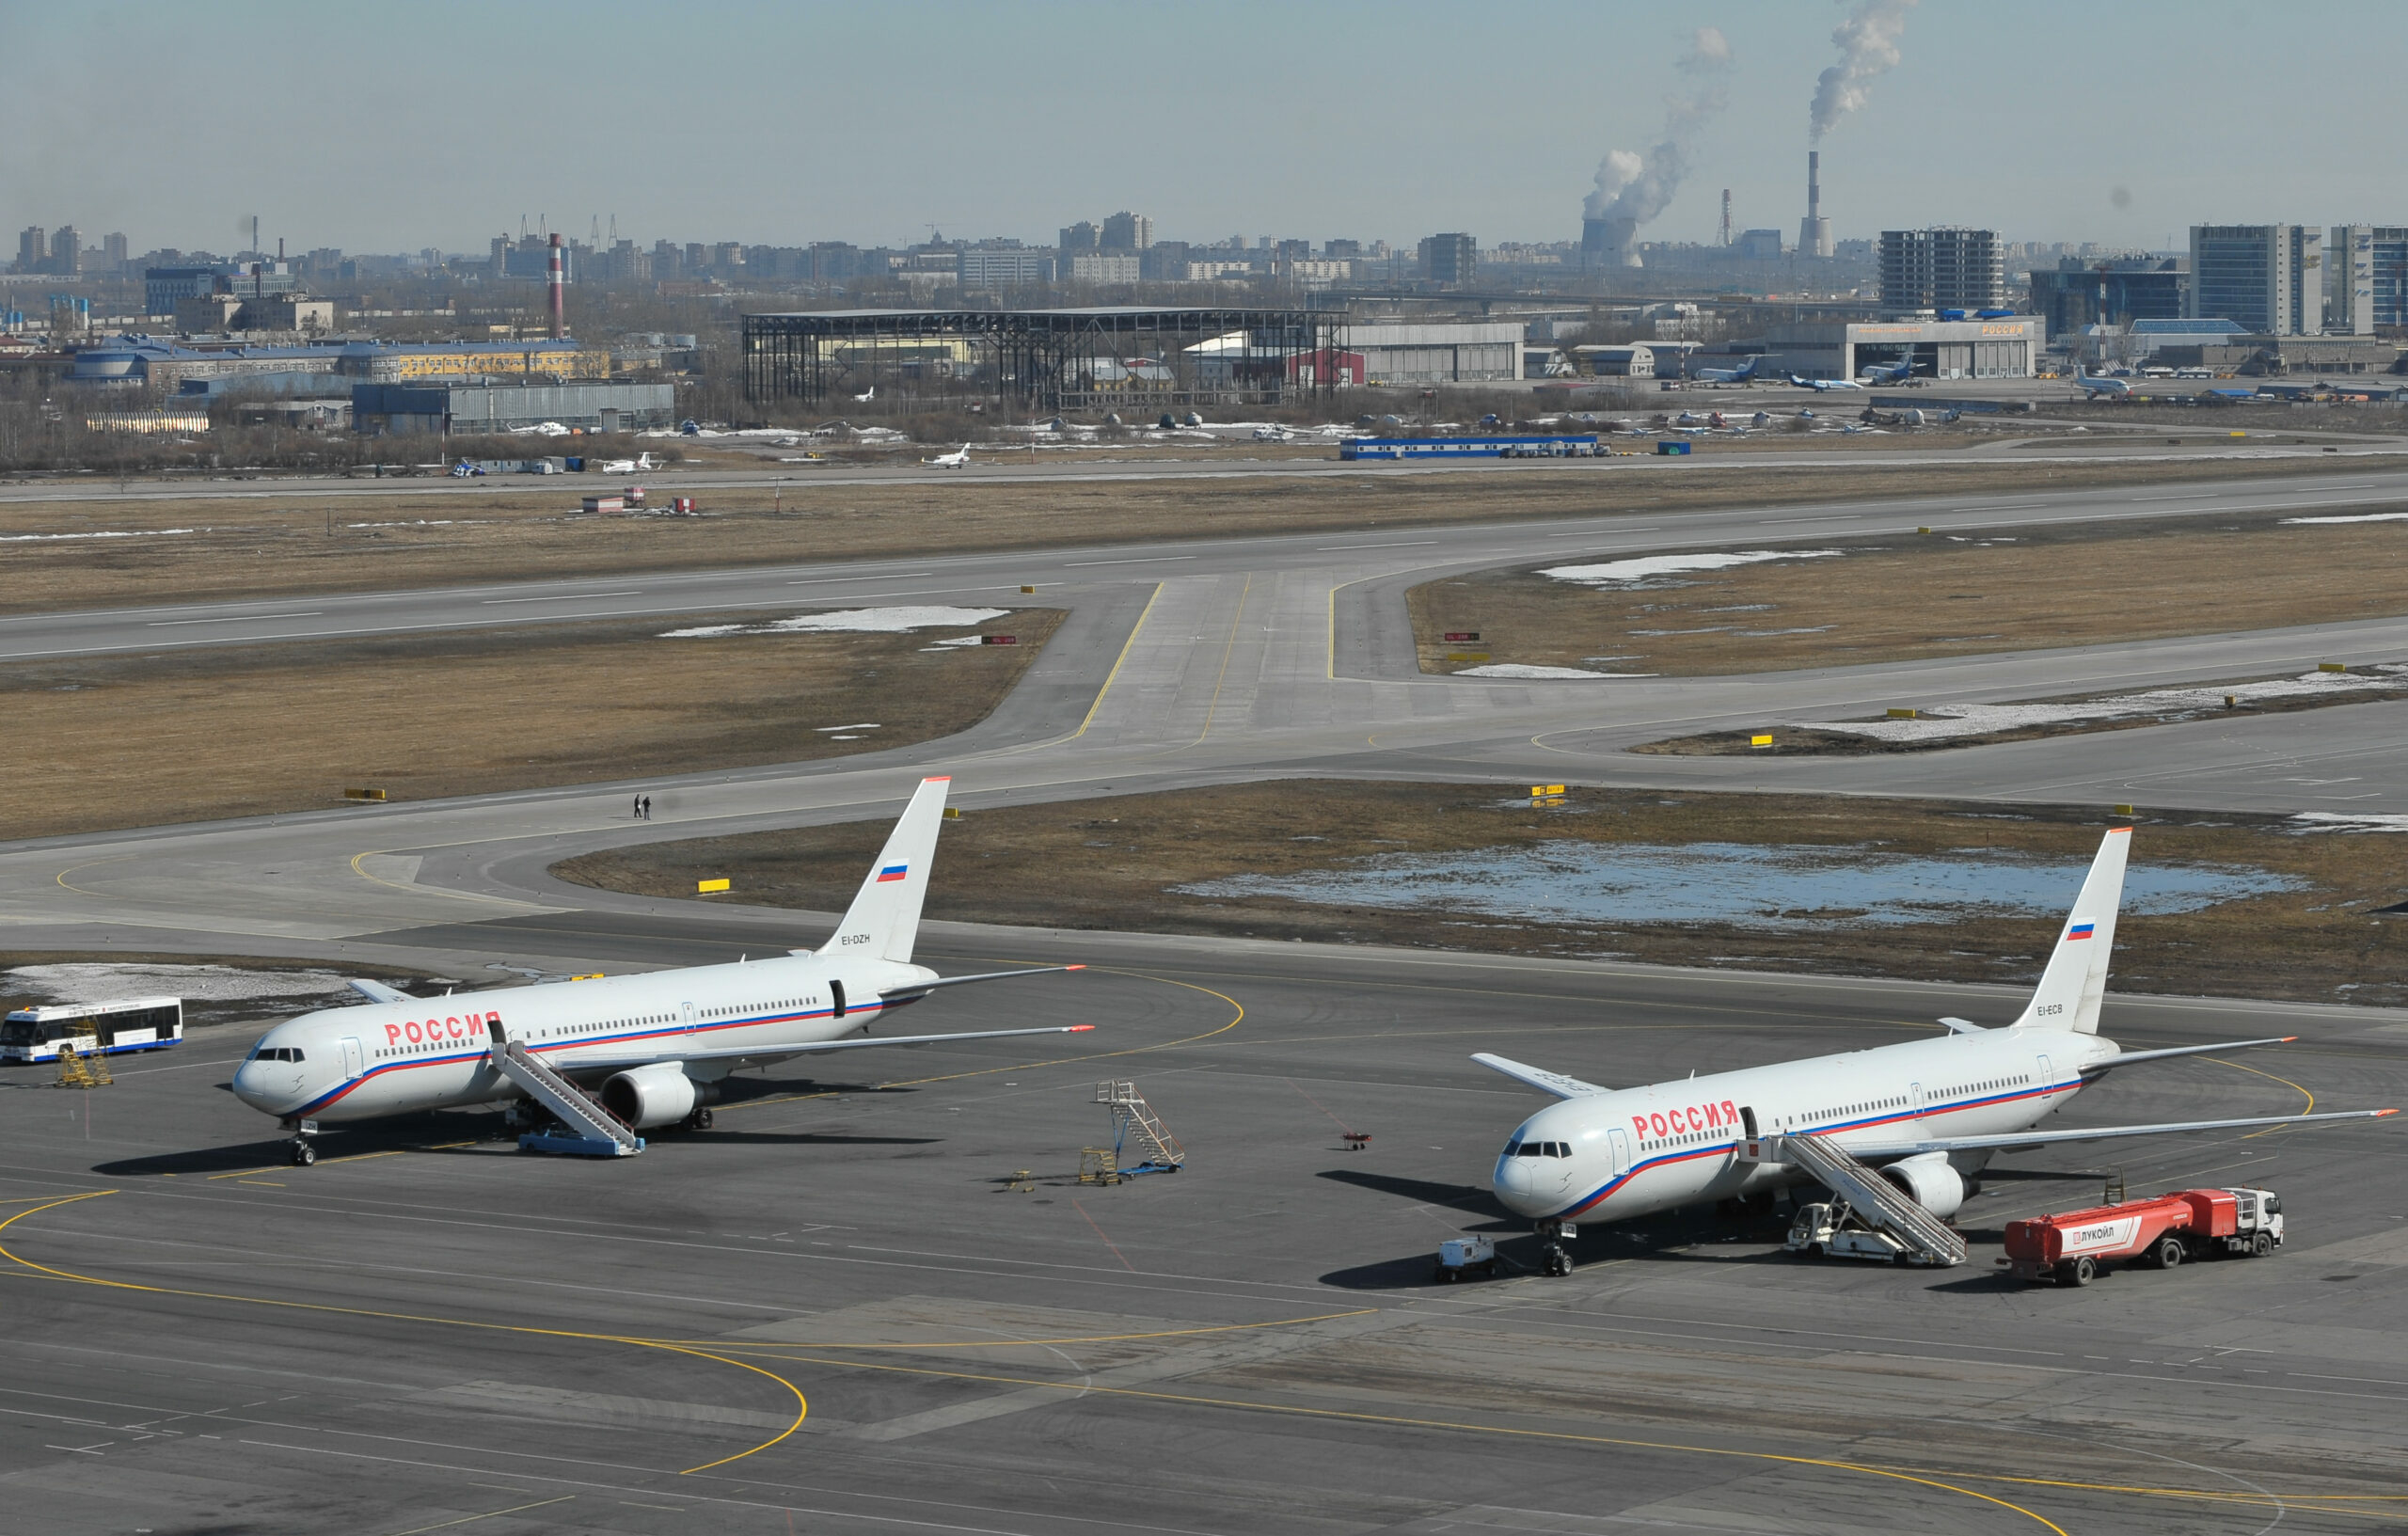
[[1349, 123]]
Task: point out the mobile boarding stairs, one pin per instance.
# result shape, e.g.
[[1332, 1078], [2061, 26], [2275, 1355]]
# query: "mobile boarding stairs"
[[1880, 1204], [585, 1129]]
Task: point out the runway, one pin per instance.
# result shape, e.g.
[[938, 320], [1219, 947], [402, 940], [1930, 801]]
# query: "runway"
[[833, 1312], [429, 1328], [1205, 662]]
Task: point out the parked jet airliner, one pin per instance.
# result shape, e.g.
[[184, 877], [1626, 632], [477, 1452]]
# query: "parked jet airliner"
[[2092, 385], [1930, 1113], [658, 1045]]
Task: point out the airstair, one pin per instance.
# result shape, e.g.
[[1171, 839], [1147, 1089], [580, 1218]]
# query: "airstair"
[[1875, 1201], [588, 1128], [1133, 1122]]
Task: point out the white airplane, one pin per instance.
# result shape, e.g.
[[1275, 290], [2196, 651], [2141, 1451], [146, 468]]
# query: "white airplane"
[[2093, 387], [866, 396], [657, 1046], [957, 460], [1929, 1114], [1740, 374], [1889, 374], [1824, 386], [636, 466]]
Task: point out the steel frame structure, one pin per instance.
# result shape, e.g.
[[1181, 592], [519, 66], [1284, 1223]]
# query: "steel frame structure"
[[1044, 359]]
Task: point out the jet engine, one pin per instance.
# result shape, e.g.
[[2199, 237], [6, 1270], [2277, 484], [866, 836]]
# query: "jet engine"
[[661, 1094], [1928, 1179]]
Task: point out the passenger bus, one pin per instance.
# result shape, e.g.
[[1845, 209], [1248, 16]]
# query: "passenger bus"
[[1579, 446], [141, 1024]]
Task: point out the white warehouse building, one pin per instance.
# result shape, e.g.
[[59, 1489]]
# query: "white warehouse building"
[[1453, 354]]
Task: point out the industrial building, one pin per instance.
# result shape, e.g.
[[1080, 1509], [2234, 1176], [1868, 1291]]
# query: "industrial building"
[[1999, 346], [146, 362], [1631, 360], [163, 286], [2269, 278], [2122, 291], [283, 312], [403, 409], [1437, 353], [1044, 358], [1942, 268]]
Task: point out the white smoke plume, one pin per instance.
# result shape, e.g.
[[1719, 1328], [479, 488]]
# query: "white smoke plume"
[[1868, 45], [1638, 186]]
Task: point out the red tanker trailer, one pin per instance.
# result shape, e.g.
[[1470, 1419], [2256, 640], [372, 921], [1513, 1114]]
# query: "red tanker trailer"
[[2071, 1248]]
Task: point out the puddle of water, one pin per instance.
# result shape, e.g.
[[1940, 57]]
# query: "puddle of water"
[[1781, 887]]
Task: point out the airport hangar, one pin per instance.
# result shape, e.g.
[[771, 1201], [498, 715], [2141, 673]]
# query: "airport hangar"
[[1994, 346], [1114, 356]]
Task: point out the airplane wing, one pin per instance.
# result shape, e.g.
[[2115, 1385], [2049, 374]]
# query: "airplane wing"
[[375, 991], [583, 1066], [2026, 1140], [1539, 1077]]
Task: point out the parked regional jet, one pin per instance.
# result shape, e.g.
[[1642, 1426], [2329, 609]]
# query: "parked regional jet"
[[1897, 372], [2092, 385], [1740, 374], [1929, 1114], [657, 1046], [1824, 386], [957, 460]]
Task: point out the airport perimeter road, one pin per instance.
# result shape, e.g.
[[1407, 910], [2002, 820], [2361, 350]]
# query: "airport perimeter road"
[[839, 1309], [1210, 663]]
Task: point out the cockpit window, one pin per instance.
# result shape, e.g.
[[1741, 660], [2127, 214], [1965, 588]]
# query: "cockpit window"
[[279, 1053], [1513, 1147]]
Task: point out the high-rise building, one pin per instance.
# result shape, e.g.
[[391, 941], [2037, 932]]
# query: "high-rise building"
[[2363, 272], [113, 252], [32, 248], [1081, 236], [2267, 277], [1450, 257], [1945, 268], [65, 252], [1128, 231]]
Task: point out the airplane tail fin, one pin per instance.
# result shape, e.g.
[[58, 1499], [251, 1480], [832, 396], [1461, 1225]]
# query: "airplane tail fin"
[[2075, 983], [884, 918]]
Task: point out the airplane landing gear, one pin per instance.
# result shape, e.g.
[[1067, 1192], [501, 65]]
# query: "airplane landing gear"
[[700, 1120], [301, 1150], [1556, 1260]]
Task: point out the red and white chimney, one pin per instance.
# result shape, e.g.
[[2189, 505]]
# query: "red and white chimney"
[[554, 295]]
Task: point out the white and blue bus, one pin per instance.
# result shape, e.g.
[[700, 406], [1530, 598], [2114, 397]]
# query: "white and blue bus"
[[139, 1023]]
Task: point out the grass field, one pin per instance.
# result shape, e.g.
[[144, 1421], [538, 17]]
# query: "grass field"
[[135, 741], [1112, 863], [68, 554], [1898, 597]]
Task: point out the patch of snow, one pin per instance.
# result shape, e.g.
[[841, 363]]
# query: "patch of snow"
[[1516, 668], [2344, 821], [876, 620], [95, 981], [1947, 722], [2360, 517], [1643, 567], [112, 534]]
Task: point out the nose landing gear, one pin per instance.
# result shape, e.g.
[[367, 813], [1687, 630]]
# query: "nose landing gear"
[[301, 1150], [1556, 1260]]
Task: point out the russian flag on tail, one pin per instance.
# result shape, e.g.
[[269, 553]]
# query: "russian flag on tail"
[[896, 872], [2079, 931]]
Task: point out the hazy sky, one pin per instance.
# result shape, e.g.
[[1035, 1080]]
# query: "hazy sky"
[[393, 127]]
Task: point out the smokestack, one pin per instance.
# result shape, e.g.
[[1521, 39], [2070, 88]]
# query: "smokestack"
[[553, 279], [1815, 231]]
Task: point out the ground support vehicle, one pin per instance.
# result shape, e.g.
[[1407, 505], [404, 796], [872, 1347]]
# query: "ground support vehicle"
[[2073, 1247], [1462, 1256], [1836, 1231]]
